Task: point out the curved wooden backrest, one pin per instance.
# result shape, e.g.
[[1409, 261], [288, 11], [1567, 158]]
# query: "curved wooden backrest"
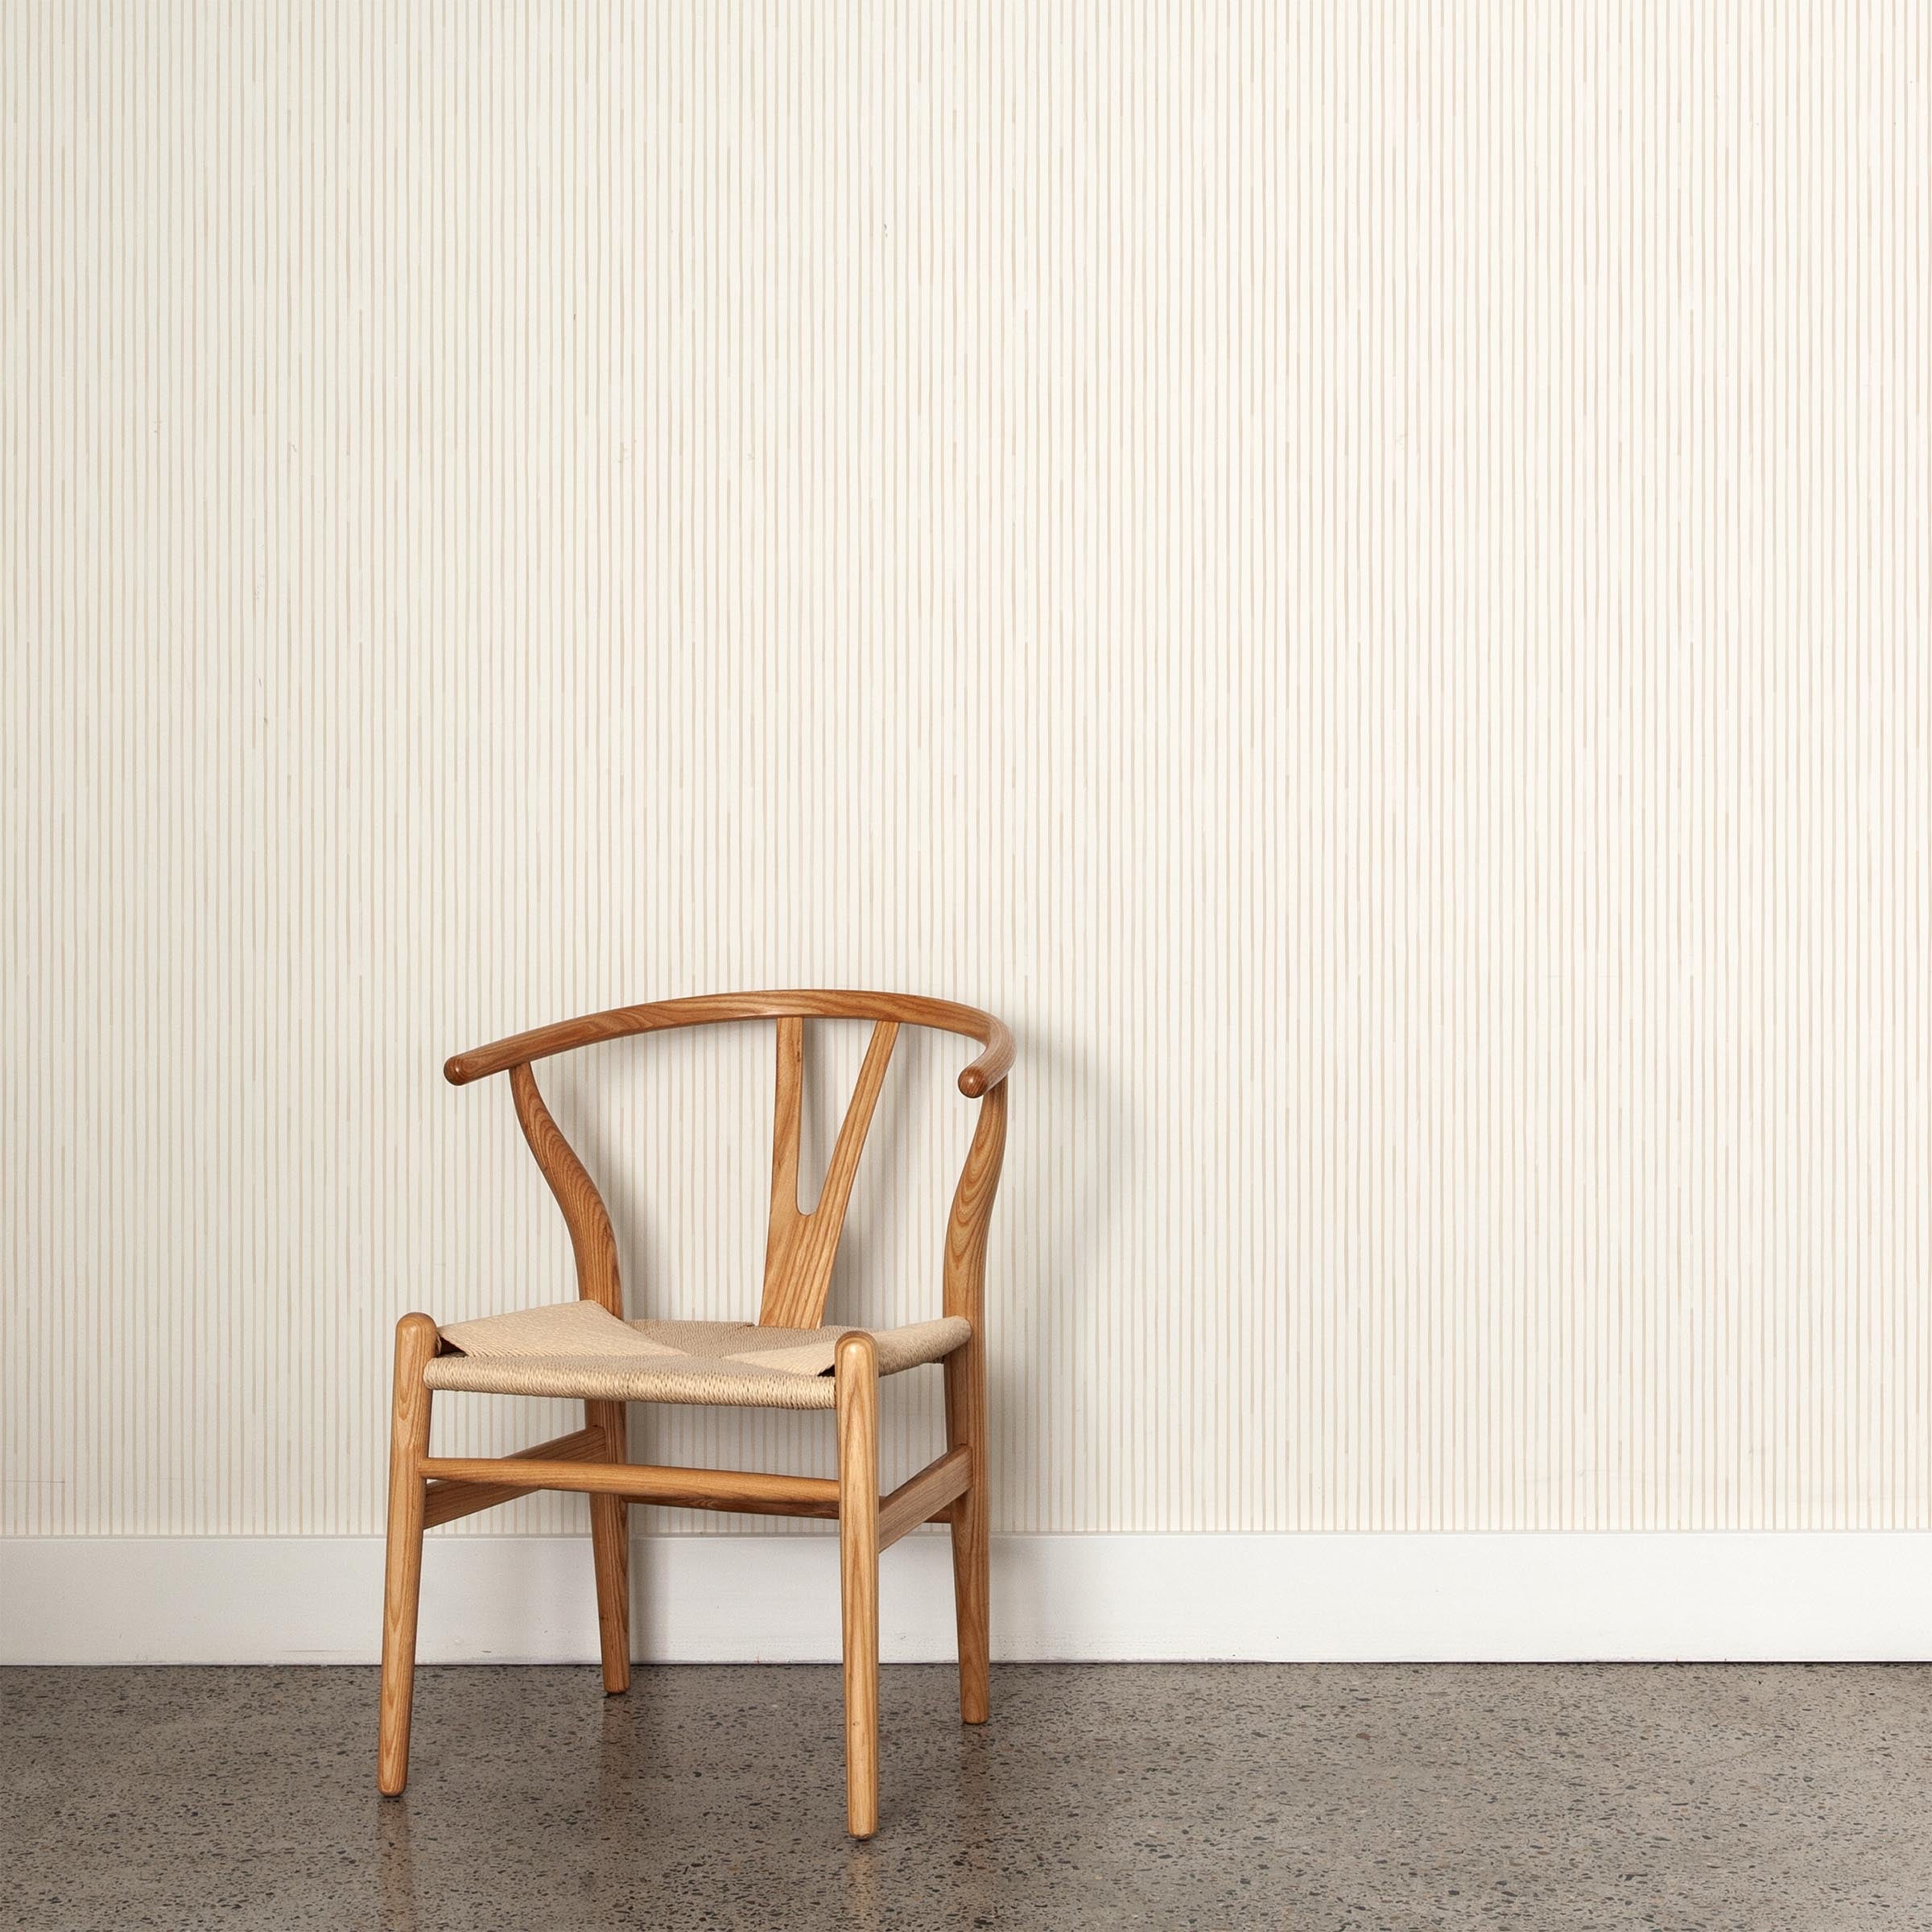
[[800, 1247]]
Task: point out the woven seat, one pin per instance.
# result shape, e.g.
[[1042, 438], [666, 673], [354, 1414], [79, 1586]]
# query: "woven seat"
[[580, 1350]]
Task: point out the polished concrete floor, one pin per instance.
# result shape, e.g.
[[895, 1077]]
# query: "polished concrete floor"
[[1554, 1798]]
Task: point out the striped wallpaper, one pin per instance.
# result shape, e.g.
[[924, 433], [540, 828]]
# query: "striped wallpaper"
[[1360, 572]]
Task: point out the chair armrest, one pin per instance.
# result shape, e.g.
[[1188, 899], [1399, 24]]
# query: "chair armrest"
[[991, 1066], [979, 1078]]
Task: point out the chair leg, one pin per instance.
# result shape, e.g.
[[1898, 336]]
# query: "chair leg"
[[971, 1593], [416, 1343], [856, 1376], [610, 1550]]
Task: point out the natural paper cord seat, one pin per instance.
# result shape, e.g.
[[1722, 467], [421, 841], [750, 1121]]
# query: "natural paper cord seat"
[[580, 1350], [790, 1358]]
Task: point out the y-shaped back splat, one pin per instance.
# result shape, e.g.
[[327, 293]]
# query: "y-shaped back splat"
[[799, 1248]]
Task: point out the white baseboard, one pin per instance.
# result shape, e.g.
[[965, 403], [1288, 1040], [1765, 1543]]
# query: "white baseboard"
[[1292, 1598]]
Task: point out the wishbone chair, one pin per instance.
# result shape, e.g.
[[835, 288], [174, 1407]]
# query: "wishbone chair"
[[587, 1350]]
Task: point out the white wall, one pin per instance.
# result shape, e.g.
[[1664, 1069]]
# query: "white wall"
[[1361, 575]]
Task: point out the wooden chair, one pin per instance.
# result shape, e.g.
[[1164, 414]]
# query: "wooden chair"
[[586, 1350]]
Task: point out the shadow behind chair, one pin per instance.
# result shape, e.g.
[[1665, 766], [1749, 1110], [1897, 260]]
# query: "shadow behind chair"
[[586, 1350]]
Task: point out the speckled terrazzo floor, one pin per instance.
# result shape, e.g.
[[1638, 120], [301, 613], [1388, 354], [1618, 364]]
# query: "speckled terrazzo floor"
[[1554, 1798]]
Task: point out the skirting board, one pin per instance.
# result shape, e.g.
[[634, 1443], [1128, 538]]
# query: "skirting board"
[[1389, 1598]]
